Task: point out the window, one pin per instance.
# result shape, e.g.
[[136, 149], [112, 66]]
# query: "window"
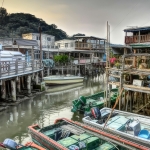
[[58, 45], [37, 37], [48, 39], [66, 44], [71, 45]]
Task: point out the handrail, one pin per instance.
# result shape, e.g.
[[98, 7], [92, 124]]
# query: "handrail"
[[137, 39], [88, 45], [8, 68]]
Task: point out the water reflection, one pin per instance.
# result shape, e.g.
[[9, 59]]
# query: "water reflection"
[[44, 109]]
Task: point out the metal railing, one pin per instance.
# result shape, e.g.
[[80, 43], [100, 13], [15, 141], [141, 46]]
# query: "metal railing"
[[14, 68], [88, 46], [137, 39]]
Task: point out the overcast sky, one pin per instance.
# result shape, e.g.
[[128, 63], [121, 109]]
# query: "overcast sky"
[[87, 16]]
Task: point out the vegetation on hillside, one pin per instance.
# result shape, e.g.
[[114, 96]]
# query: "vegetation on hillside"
[[16, 24]]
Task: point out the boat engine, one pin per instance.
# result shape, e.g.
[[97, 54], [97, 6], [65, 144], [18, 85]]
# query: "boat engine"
[[96, 112], [79, 104]]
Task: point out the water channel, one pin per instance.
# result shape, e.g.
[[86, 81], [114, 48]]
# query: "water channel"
[[45, 108]]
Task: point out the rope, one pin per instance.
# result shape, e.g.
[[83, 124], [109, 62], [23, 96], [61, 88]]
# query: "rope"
[[117, 100]]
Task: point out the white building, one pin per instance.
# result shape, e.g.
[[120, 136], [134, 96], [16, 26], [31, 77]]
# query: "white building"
[[48, 41], [82, 43], [65, 44]]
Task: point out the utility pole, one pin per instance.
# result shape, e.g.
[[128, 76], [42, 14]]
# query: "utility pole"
[[40, 47], [107, 60]]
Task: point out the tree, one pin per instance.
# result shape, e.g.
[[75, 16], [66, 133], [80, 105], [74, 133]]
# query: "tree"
[[3, 15], [21, 23]]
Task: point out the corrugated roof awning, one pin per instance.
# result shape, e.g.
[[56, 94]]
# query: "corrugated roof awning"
[[91, 37], [144, 45], [137, 29], [23, 42]]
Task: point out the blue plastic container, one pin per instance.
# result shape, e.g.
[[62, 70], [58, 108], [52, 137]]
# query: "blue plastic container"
[[104, 57], [73, 147], [11, 144], [144, 134]]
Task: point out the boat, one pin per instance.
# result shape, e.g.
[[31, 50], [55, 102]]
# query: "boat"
[[66, 134], [124, 124], [84, 104], [58, 80], [12, 145]]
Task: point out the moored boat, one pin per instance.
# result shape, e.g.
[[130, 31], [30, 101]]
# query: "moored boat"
[[58, 80], [127, 125], [66, 134], [84, 104]]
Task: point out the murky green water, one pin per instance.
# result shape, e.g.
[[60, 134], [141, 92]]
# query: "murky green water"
[[44, 109]]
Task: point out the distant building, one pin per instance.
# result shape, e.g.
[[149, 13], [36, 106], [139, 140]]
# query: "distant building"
[[137, 36], [82, 43], [86, 49], [48, 41]]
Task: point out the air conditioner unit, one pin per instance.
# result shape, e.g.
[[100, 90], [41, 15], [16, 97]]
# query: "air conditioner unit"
[[138, 82]]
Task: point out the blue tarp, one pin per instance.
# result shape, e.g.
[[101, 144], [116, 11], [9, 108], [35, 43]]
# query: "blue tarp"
[[48, 63]]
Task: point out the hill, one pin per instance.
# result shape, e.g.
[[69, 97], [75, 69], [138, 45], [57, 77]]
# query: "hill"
[[16, 24]]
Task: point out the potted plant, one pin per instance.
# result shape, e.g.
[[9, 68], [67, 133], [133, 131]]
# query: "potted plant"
[[118, 65]]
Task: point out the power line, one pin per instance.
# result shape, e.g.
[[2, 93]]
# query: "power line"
[[145, 23], [124, 17]]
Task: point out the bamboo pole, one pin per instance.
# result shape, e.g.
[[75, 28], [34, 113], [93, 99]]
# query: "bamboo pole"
[[117, 100]]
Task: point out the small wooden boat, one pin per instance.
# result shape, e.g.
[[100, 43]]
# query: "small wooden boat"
[[57, 80], [127, 125], [84, 104], [12, 145], [66, 134]]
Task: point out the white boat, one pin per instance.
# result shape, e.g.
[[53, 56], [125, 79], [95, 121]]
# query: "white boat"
[[127, 125], [68, 79]]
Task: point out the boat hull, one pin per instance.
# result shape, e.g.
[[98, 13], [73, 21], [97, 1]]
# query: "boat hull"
[[133, 138], [60, 80]]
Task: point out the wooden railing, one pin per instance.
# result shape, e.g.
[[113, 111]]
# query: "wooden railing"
[[137, 39], [88, 46], [14, 68]]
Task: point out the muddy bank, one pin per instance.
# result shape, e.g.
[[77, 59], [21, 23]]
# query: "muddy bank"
[[6, 104]]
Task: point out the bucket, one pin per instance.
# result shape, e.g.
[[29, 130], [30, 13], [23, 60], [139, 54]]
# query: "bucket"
[[144, 134]]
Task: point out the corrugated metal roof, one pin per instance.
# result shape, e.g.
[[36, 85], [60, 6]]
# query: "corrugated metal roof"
[[74, 50], [137, 29], [140, 45], [119, 46], [89, 37], [24, 42]]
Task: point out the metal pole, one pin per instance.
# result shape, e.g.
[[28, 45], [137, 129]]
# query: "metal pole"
[[40, 46], [107, 66]]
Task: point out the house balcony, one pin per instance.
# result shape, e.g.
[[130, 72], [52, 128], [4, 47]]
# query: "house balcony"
[[88, 46], [137, 39]]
